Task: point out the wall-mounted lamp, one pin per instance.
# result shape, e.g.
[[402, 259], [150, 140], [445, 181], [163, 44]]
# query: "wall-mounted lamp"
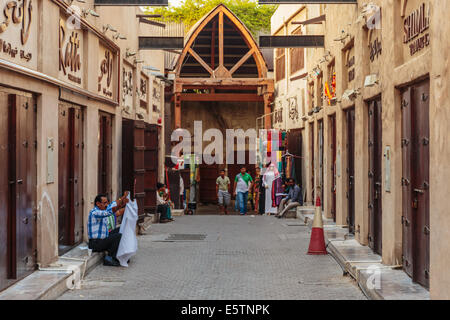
[[128, 53], [136, 61], [119, 36], [344, 36], [150, 68], [86, 12], [109, 27]]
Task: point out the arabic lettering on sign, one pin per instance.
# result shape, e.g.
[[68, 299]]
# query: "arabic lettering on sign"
[[106, 72], [375, 49], [415, 25], [69, 54], [293, 110], [18, 15]]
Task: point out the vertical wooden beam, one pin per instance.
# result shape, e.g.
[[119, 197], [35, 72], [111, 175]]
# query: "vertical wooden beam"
[[213, 45], [267, 110], [177, 110], [221, 38]]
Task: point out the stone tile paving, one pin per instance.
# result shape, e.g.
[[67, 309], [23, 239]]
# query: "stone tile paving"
[[242, 257]]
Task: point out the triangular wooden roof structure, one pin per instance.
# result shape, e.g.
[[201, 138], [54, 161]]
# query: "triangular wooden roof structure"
[[222, 59]]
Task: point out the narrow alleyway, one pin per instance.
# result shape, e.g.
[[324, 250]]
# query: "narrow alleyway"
[[251, 257]]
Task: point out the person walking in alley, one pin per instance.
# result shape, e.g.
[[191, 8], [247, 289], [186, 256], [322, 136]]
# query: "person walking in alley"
[[293, 200], [256, 187], [222, 191], [162, 203], [100, 239], [269, 177], [242, 184]]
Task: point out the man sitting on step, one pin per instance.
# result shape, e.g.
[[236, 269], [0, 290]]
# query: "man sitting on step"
[[293, 200], [100, 239]]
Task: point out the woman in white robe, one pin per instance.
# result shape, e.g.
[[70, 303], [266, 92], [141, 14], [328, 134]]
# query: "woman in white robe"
[[270, 175]]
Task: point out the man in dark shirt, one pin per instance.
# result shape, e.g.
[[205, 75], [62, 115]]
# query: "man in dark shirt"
[[293, 200]]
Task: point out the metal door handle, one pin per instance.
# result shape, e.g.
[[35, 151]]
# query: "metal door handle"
[[419, 191], [20, 181]]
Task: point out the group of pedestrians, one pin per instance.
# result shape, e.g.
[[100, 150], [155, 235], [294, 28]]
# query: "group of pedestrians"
[[262, 191]]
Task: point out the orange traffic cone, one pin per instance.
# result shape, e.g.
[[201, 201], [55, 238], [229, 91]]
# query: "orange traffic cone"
[[317, 242]]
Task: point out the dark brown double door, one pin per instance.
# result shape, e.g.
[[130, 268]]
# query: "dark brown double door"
[[70, 177], [350, 121], [415, 182], [375, 175], [105, 154], [17, 186], [140, 162], [333, 165]]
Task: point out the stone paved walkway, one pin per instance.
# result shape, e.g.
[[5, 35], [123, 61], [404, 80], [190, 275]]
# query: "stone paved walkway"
[[241, 257]]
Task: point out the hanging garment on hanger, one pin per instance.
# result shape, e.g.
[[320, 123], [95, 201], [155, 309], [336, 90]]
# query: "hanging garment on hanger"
[[277, 192], [128, 242]]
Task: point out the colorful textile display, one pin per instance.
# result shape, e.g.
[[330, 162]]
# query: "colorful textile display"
[[277, 191]]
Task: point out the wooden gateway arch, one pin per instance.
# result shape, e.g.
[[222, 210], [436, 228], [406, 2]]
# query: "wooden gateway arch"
[[221, 62]]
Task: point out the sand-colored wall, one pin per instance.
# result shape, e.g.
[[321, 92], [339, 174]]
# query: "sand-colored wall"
[[43, 43], [395, 68]]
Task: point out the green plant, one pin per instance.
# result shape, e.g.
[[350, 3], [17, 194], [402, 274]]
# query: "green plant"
[[255, 17]]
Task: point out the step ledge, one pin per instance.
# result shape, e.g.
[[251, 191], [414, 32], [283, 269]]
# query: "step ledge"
[[48, 283]]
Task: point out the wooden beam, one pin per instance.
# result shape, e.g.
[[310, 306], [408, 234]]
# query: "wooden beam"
[[219, 87], [201, 61], [153, 3], [220, 38], [225, 97], [307, 1], [224, 81], [154, 23], [242, 61], [292, 41], [213, 45], [317, 20], [148, 16], [154, 43]]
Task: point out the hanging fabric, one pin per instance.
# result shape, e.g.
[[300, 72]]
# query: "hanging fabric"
[[277, 192], [128, 243]]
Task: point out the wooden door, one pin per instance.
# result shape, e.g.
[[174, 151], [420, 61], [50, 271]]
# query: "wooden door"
[[415, 182], [333, 166], [350, 115], [311, 148], [64, 165], [151, 166], [5, 196], [105, 154], [321, 171], [70, 177], [76, 175], [407, 218], [208, 176], [421, 181], [133, 158], [295, 148], [138, 163], [25, 182], [375, 175], [17, 186]]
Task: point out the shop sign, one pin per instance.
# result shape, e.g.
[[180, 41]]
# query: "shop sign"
[[127, 88], [70, 53], [143, 88], [351, 69], [105, 84], [16, 26], [375, 49], [293, 108], [415, 29]]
